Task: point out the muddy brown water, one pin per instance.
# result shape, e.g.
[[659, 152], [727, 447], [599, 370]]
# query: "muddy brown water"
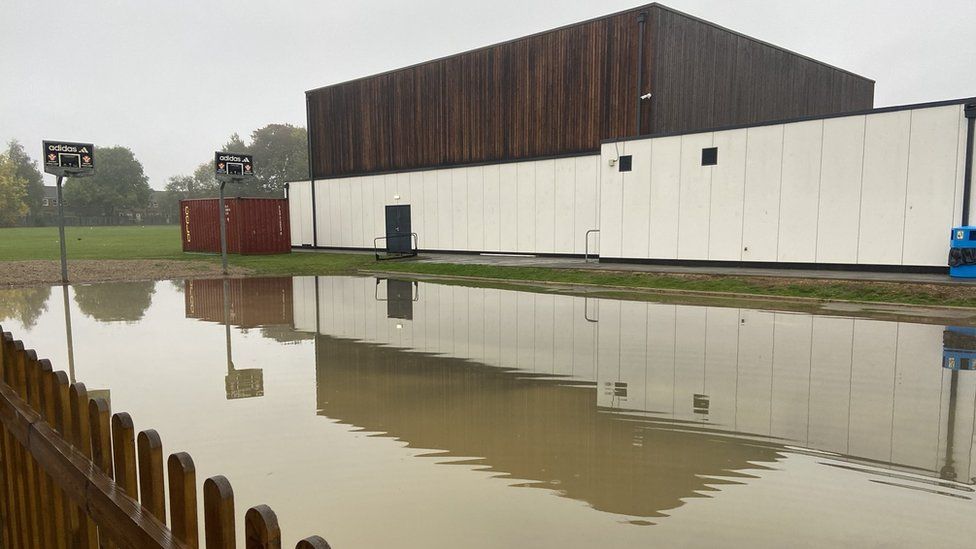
[[383, 413]]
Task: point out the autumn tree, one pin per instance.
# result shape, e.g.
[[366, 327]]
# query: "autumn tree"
[[26, 168], [13, 193]]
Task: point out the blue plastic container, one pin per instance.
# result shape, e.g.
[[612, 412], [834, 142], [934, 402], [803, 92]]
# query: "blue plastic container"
[[962, 252]]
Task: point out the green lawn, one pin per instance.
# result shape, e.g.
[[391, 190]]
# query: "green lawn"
[[152, 242], [163, 242]]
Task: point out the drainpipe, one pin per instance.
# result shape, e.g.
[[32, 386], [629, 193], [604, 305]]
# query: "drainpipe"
[[311, 175], [641, 22], [967, 182]]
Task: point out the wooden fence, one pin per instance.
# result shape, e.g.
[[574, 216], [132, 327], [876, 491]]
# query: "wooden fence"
[[73, 474]]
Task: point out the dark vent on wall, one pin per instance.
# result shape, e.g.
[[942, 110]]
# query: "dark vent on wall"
[[626, 163], [710, 156]]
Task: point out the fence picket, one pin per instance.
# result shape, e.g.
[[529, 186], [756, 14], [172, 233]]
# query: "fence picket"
[[183, 498], [218, 513], [313, 542], [124, 452], [261, 530], [152, 490]]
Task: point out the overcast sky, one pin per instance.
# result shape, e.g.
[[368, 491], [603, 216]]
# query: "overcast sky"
[[173, 79]]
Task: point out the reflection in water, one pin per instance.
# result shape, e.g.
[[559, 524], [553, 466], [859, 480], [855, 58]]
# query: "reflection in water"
[[707, 422], [244, 303], [122, 301], [25, 305], [646, 407]]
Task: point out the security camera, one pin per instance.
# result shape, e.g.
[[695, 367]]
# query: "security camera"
[[645, 96]]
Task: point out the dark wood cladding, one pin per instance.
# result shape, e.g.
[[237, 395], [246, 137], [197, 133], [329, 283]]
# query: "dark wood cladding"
[[709, 77], [564, 91]]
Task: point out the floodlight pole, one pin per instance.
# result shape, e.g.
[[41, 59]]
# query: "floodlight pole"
[[64, 252], [223, 230]]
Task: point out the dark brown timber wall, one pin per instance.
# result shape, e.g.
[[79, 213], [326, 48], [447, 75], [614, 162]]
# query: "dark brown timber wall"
[[564, 91]]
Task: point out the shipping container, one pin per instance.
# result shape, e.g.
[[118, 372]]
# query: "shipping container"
[[254, 225]]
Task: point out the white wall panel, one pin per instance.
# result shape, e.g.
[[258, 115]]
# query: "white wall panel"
[[508, 207], [611, 204], [300, 213], [840, 190], [418, 213], [525, 172], [492, 206], [931, 197], [665, 190], [564, 202], [431, 230], [476, 208], [445, 210], [459, 208], [335, 206], [694, 200], [886, 141], [358, 233], [764, 161], [728, 186], [545, 197], [586, 206], [800, 192], [370, 210], [636, 200]]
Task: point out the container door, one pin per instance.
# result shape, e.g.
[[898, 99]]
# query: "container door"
[[398, 239]]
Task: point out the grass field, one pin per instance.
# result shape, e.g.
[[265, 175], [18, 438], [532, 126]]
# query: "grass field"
[[163, 242]]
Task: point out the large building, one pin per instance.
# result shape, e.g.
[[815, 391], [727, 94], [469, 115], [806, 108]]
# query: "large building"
[[645, 135]]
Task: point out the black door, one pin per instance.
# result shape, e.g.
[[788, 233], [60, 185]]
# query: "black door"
[[398, 240]]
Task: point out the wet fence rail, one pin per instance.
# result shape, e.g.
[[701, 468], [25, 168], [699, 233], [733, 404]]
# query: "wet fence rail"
[[73, 474]]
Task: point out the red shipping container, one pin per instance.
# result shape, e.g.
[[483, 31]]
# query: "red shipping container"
[[254, 225]]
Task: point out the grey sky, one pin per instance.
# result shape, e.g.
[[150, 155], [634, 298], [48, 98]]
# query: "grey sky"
[[173, 79]]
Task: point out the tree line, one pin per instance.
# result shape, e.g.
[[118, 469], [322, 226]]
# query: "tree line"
[[121, 185]]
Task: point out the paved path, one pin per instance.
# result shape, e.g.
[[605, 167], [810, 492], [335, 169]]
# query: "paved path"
[[577, 263]]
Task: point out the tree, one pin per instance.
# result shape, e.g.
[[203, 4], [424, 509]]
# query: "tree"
[[281, 154], [13, 193], [201, 184], [26, 168], [119, 183], [125, 301], [24, 304]]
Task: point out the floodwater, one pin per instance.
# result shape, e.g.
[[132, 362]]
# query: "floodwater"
[[382, 413]]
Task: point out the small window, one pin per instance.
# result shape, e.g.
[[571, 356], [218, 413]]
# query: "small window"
[[626, 163], [710, 156]]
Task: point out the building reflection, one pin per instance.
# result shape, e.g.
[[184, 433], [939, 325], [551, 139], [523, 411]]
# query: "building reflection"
[[634, 407]]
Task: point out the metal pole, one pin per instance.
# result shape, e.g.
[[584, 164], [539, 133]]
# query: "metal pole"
[[67, 329], [64, 252], [223, 229]]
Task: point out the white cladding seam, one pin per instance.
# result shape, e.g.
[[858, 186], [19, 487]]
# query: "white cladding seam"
[[874, 189], [653, 358]]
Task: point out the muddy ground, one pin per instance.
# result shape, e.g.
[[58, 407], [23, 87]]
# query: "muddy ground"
[[29, 273]]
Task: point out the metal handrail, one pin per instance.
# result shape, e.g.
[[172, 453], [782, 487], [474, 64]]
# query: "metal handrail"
[[586, 245], [413, 237]]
